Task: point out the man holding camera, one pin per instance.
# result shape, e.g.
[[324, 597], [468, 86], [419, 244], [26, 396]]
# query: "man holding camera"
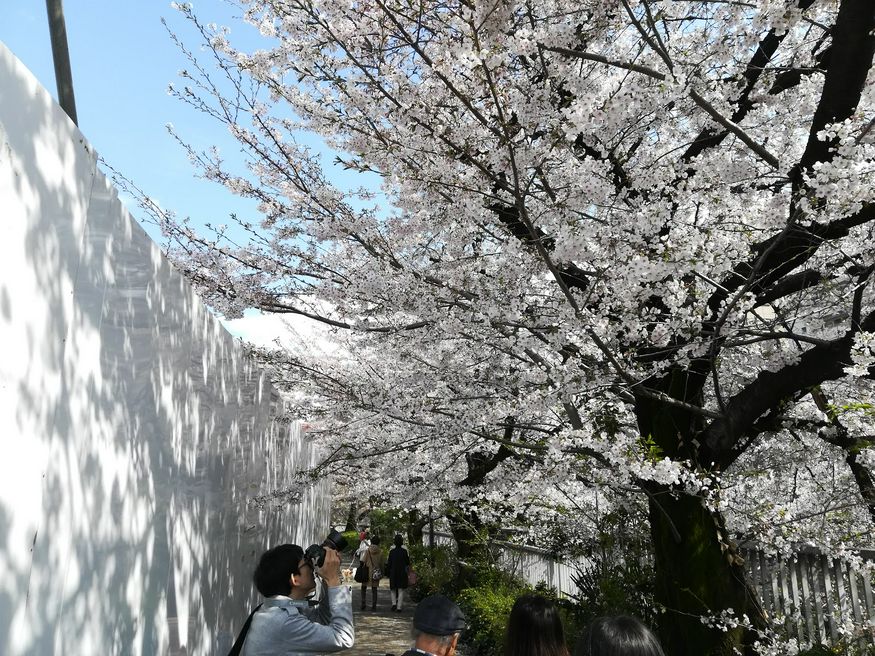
[[286, 624]]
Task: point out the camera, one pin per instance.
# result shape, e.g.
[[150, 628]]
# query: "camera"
[[315, 553]]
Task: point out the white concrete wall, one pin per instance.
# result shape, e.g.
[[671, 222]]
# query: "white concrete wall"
[[135, 434]]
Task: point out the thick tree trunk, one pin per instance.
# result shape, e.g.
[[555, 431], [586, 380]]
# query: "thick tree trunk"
[[415, 527], [698, 573], [472, 549], [466, 527], [698, 570], [351, 517]]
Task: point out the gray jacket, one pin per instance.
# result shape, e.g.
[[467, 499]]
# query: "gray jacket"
[[286, 627]]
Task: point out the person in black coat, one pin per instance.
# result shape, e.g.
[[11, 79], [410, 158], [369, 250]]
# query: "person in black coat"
[[398, 566]]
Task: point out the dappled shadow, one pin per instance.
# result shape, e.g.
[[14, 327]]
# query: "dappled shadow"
[[140, 430], [382, 631]]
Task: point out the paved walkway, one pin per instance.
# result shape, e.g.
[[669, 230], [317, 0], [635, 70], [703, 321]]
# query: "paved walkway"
[[382, 631]]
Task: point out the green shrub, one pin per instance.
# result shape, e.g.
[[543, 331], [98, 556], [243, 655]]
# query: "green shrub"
[[613, 587], [352, 541], [386, 523], [818, 650], [620, 576], [435, 575], [487, 606]]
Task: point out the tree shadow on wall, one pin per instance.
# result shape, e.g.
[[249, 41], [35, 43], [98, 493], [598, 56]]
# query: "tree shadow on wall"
[[144, 430]]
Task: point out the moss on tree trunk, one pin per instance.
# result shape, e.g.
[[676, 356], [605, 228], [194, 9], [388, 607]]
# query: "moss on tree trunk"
[[698, 570], [698, 573], [415, 524], [472, 549]]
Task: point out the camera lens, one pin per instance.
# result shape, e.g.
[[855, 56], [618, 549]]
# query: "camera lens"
[[336, 541], [315, 553]]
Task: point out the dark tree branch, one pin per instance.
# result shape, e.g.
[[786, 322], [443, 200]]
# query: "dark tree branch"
[[275, 307], [790, 285], [570, 274], [719, 441], [709, 138], [851, 446], [792, 77], [480, 464], [853, 47], [857, 304], [779, 255]]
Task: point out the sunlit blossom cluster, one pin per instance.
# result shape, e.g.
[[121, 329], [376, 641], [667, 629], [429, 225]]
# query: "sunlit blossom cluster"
[[578, 201]]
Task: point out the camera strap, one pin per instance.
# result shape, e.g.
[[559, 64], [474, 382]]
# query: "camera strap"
[[241, 637]]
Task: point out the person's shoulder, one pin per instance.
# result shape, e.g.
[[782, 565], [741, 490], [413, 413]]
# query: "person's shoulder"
[[297, 616]]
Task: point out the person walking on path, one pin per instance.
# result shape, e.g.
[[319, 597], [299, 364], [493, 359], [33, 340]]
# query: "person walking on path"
[[398, 565], [437, 625], [373, 560], [364, 543]]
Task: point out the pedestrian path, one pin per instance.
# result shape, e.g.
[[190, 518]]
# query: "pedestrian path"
[[382, 631]]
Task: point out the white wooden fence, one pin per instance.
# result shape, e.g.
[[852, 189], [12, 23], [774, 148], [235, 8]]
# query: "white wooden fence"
[[532, 565], [817, 598], [820, 599]]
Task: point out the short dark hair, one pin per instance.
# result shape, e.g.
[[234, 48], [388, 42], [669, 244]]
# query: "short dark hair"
[[534, 628], [619, 635], [399, 539], [375, 539], [275, 568]]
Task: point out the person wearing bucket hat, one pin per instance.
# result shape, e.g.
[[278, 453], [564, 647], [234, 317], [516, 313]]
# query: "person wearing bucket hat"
[[437, 625]]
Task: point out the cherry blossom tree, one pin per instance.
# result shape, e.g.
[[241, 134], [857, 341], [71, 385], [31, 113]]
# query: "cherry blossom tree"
[[625, 244]]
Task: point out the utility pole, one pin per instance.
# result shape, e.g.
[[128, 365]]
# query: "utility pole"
[[430, 536], [61, 56]]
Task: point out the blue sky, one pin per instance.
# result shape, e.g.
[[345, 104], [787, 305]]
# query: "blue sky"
[[122, 62]]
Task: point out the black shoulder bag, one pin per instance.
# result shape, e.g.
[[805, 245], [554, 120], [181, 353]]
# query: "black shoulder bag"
[[241, 637]]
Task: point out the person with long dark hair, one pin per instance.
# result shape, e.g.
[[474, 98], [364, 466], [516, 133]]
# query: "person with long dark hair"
[[619, 635], [534, 628]]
